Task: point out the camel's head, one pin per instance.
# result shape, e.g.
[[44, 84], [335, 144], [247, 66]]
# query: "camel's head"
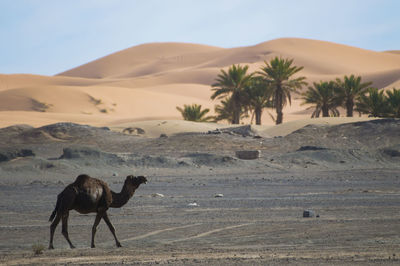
[[136, 180]]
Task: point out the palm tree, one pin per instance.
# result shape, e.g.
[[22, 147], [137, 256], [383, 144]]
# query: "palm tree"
[[278, 74], [194, 113], [225, 111], [258, 97], [232, 83], [322, 95], [393, 98], [349, 91], [375, 103]]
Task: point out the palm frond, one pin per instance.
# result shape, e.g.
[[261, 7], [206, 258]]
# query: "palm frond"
[[278, 74], [194, 113]]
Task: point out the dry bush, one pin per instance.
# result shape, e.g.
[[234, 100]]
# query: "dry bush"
[[37, 249]]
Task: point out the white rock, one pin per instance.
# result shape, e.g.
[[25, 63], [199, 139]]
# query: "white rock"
[[194, 204], [157, 195], [219, 195]]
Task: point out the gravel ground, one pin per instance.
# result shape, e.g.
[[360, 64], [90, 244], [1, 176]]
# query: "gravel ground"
[[257, 219]]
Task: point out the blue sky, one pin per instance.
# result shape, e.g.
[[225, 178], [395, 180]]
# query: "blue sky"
[[50, 36]]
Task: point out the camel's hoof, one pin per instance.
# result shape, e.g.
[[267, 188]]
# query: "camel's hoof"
[[93, 246], [72, 246], [51, 247], [119, 245]]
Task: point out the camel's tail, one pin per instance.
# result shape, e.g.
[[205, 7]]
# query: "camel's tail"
[[54, 213]]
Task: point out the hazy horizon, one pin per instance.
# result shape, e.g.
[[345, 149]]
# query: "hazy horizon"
[[48, 37]]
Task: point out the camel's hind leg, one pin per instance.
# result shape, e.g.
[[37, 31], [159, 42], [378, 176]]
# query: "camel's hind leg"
[[65, 228], [53, 228], [94, 228], [112, 229]]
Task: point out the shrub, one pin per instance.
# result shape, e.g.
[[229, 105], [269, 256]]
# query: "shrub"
[[37, 249]]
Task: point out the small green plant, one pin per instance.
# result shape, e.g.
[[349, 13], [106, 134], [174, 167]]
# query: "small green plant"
[[194, 113], [37, 249]]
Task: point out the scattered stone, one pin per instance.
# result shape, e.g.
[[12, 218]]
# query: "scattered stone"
[[163, 136], [219, 195], [244, 131], [36, 182], [115, 174], [248, 154], [134, 131], [391, 152], [311, 148], [157, 195], [308, 213], [210, 159], [10, 154], [217, 131], [193, 204], [79, 152]]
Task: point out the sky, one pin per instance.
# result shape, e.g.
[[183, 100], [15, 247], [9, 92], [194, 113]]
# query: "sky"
[[47, 37]]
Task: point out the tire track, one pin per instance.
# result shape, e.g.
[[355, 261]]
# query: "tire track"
[[156, 232], [209, 232]]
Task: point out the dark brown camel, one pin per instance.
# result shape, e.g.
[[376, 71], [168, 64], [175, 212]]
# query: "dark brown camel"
[[87, 195]]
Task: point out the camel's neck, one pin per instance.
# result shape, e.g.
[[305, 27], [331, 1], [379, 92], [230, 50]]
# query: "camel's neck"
[[120, 199]]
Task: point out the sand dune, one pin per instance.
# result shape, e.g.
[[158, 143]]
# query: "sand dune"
[[393, 52], [140, 60], [319, 59], [27, 80], [148, 81]]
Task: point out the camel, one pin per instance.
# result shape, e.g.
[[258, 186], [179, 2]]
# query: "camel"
[[88, 195]]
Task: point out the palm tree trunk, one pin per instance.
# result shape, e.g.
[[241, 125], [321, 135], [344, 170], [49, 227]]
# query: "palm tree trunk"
[[325, 111], [279, 117], [236, 117], [237, 109], [349, 108], [258, 113], [279, 106]]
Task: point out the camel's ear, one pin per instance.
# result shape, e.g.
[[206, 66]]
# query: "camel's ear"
[[130, 177]]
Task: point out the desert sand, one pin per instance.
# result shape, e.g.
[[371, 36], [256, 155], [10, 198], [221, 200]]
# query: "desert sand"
[[203, 205], [147, 82]]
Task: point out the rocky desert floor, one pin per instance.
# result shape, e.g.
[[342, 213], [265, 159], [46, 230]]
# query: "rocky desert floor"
[[203, 205]]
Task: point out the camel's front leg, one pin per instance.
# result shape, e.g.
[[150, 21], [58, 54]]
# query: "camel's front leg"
[[65, 228], [112, 229], [94, 228]]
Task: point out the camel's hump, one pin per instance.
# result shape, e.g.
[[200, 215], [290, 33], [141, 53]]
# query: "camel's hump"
[[89, 185], [85, 181], [81, 179]]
